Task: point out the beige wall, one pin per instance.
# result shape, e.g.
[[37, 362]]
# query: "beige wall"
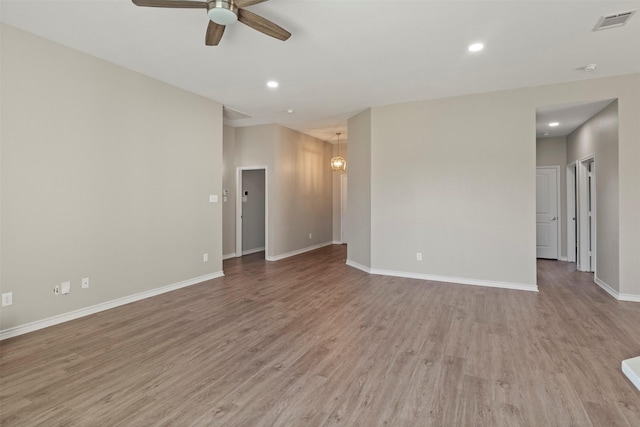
[[255, 146], [299, 185], [106, 174], [229, 183], [553, 152], [304, 192], [337, 192], [359, 190], [454, 178], [599, 137]]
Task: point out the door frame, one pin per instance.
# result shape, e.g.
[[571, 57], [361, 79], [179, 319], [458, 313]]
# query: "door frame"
[[239, 171], [343, 202], [586, 230], [572, 215], [558, 208]]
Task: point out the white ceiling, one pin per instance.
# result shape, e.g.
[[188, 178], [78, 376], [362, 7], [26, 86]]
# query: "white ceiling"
[[568, 117], [345, 55]]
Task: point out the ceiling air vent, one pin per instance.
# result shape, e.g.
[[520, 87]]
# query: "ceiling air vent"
[[231, 114], [613, 21]]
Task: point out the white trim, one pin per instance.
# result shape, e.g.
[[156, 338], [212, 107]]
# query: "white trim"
[[572, 216], [456, 280], [336, 242], [76, 314], [631, 368], [252, 251], [617, 295], [607, 288], [583, 224], [228, 256], [239, 206], [297, 252], [358, 266], [344, 205], [558, 210], [563, 258]]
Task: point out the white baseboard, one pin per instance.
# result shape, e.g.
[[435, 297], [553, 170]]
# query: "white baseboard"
[[297, 252], [337, 242], [252, 251], [456, 280], [448, 279], [631, 368], [76, 314], [228, 256], [563, 258], [617, 295], [358, 266]]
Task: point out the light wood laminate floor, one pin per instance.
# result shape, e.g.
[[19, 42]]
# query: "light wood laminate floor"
[[309, 341]]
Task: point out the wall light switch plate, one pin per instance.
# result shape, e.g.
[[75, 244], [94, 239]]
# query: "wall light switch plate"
[[418, 256], [205, 257], [213, 198], [65, 287], [7, 299]]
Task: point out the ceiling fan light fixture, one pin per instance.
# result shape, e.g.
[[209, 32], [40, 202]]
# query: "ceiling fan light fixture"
[[223, 12]]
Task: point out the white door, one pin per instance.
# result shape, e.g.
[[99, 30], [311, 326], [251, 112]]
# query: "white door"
[[547, 212]]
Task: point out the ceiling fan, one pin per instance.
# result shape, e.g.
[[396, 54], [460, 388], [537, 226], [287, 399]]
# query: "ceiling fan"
[[222, 13]]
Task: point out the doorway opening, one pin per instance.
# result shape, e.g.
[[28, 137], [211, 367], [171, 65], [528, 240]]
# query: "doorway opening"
[[252, 199]]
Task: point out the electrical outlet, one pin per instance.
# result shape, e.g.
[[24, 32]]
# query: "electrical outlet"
[[85, 283], [65, 288], [310, 235], [205, 257], [7, 299], [56, 289], [418, 256]]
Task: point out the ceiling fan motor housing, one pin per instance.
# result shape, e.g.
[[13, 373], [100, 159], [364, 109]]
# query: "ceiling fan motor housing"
[[222, 12]]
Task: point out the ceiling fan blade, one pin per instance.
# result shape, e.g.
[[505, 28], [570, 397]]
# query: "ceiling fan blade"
[[245, 3], [214, 34], [181, 4], [263, 25]]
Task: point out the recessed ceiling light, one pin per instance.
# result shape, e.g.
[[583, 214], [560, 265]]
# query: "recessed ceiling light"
[[546, 134], [553, 124], [290, 111], [272, 84], [476, 47], [590, 67]]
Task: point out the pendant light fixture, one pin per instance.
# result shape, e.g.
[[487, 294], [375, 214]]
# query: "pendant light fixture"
[[338, 163]]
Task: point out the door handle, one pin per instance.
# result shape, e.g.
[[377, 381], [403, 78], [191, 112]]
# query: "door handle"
[[553, 219]]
